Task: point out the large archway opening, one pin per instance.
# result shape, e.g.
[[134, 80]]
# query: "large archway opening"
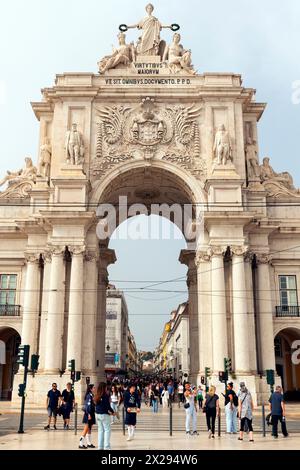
[[287, 343], [9, 343], [154, 231]]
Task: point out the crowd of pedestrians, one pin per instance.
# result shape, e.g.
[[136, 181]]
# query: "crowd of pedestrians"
[[102, 406]]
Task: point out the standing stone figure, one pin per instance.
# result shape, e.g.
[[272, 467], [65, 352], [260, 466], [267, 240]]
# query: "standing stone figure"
[[149, 42], [28, 173], [45, 159], [252, 159], [74, 146], [125, 54], [222, 146], [178, 57]]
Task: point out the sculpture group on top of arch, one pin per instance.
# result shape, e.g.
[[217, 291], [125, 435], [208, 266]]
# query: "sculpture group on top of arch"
[[173, 57]]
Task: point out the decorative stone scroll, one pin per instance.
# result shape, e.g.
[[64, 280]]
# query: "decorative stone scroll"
[[148, 132]]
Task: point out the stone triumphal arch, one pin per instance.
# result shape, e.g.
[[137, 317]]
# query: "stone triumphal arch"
[[149, 127]]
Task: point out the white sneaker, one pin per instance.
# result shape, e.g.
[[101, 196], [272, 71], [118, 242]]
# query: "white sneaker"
[[128, 438], [209, 434]]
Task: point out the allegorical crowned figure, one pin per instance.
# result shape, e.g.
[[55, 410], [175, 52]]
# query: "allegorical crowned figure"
[[28, 173], [74, 146], [45, 158], [149, 41], [178, 58], [222, 146], [124, 54]]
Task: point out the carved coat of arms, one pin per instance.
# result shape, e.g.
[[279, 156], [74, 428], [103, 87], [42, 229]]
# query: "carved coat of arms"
[[148, 132]]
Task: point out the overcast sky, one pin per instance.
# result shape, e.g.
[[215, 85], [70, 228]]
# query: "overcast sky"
[[258, 39]]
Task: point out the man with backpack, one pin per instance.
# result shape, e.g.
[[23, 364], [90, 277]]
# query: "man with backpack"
[[231, 406]]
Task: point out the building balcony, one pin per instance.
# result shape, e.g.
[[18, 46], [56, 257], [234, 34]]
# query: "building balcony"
[[287, 311], [10, 310]]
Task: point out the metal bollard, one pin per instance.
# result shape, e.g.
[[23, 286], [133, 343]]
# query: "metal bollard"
[[219, 423], [171, 419], [123, 420], [75, 419], [263, 420]]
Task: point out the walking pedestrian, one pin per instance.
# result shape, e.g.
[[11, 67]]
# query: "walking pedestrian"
[[115, 403], [245, 411], [155, 398], [104, 411], [211, 408], [132, 405], [231, 407], [200, 397], [52, 405], [277, 408], [165, 398], [190, 409], [180, 393], [88, 418], [68, 403]]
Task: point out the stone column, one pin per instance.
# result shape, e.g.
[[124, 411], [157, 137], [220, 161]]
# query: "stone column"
[[265, 313], [203, 265], [240, 311], [89, 312], [31, 302], [53, 352], [188, 257], [218, 308], [106, 258], [74, 345]]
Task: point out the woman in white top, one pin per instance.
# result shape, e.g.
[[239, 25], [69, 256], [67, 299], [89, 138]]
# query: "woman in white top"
[[190, 409], [115, 399], [165, 398]]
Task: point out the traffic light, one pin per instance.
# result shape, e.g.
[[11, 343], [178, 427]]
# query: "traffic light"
[[71, 365], [23, 355], [227, 365], [77, 376], [21, 391], [270, 376], [202, 380], [34, 362], [223, 377], [207, 372]]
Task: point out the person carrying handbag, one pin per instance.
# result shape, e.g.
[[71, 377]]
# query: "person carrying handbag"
[[211, 408], [190, 409], [245, 411]]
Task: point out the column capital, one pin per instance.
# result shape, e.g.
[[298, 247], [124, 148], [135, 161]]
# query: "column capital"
[[187, 256], [202, 256], [217, 251], [239, 250], [32, 257], [77, 250], [56, 250], [263, 258]]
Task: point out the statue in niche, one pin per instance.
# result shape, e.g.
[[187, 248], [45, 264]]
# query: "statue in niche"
[[45, 158], [28, 173], [222, 146], [178, 58], [124, 54], [268, 174], [252, 159], [74, 146]]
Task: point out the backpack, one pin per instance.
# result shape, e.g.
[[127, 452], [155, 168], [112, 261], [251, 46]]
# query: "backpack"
[[235, 400]]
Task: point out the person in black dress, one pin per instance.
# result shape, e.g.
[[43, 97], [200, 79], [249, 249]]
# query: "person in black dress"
[[132, 405], [88, 418], [68, 402]]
